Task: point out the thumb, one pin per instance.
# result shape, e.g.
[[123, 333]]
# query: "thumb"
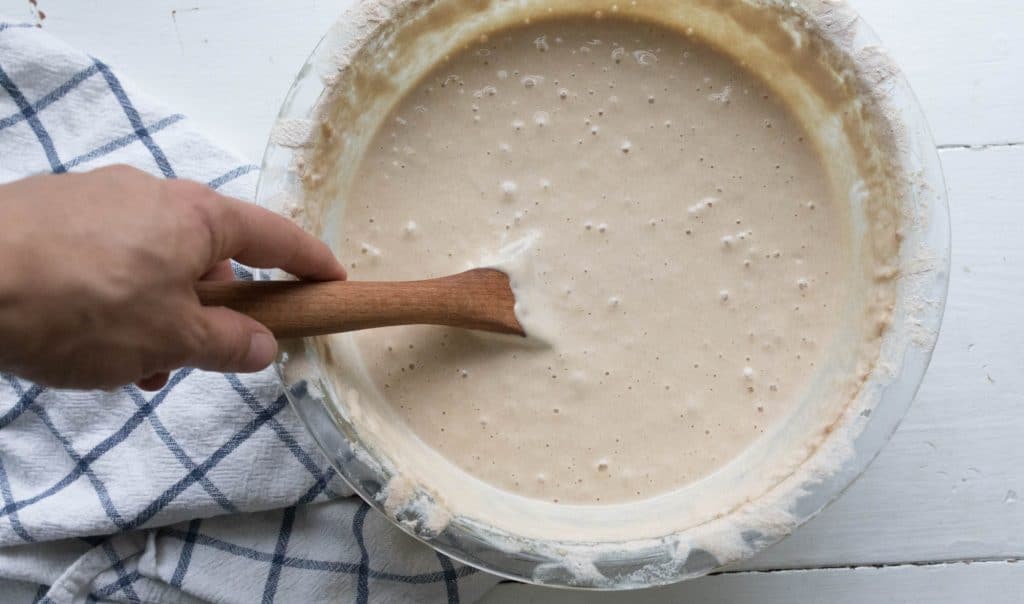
[[233, 343]]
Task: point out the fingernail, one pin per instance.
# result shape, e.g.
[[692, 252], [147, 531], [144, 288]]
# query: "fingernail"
[[262, 350]]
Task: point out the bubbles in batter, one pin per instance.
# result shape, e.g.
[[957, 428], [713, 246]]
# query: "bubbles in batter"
[[680, 249]]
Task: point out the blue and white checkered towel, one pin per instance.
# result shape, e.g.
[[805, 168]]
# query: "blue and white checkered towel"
[[208, 490]]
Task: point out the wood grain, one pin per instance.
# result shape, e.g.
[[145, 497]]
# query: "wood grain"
[[476, 299]]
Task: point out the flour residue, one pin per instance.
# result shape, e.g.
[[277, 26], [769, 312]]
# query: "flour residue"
[[488, 148]]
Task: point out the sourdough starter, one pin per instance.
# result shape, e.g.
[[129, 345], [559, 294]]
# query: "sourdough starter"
[[675, 249]]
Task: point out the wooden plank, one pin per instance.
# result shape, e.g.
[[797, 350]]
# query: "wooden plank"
[[988, 582], [963, 58], [228, 63]]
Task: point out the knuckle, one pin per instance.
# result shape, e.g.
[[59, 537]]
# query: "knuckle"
[[120, 171], [117, 177], [195, 199], [220, 342], [196, 336], [190, 194], [200, 212], [189, 345], [128, 181], [189, 190]]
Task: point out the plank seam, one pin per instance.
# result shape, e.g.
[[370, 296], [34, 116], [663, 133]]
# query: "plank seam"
[[980, 147], [922, 564]]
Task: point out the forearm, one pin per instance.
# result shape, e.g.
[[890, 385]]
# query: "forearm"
[[29, 275], [13, 284]]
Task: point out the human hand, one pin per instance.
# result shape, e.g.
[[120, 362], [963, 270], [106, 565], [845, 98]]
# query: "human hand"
[[97, 275]]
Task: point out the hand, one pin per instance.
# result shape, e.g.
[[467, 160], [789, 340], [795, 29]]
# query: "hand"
[[97, 275]]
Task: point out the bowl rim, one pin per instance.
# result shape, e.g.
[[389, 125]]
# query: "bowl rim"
[[476, 546]]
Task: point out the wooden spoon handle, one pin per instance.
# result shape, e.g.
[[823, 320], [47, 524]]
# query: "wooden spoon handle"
[[476, 299]]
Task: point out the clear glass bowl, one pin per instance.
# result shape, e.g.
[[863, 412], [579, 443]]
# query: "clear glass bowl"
[[924, 259]]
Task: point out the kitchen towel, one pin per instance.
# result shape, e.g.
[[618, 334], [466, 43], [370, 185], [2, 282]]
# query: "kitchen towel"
[[209, 490]]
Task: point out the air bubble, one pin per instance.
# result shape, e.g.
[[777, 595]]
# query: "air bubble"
[[645, 57], [531, 81]]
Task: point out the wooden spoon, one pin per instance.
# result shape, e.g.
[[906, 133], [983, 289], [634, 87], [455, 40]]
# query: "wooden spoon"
[[476, 299]]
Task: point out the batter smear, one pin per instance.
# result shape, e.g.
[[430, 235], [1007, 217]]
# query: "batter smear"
[[675, 248]]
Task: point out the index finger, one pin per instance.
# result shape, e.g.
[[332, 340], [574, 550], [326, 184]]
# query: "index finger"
[[260, 238]]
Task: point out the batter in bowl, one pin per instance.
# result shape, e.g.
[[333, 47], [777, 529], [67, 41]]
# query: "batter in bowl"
[[679, 259]]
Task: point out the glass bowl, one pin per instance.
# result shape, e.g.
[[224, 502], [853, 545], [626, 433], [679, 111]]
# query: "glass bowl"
[[859, 432]]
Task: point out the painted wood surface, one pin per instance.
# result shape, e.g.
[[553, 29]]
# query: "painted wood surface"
[[988, 583], [948, 486]]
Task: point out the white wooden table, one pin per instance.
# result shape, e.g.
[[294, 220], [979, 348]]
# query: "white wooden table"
[[939, 516]]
